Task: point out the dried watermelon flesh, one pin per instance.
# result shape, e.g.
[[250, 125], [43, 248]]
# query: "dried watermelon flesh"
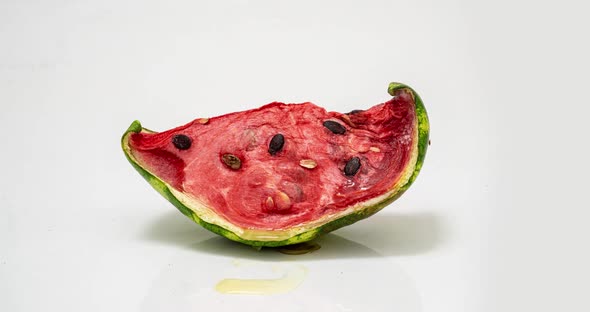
[[285, 173]]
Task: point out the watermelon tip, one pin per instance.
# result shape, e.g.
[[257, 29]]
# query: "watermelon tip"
[[135, 127]]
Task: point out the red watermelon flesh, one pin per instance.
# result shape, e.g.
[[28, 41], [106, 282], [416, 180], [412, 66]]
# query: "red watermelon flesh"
[[274, 191]]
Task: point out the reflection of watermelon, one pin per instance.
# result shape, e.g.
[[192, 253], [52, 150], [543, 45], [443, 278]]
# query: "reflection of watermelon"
[[285, 173]]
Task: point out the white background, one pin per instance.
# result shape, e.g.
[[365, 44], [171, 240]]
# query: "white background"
[[497, 220]]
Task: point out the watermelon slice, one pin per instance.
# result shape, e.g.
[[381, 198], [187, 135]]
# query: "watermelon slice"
[[284, 174]]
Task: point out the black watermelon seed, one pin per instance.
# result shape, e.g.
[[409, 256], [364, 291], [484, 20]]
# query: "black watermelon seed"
[[352, 166], [335, 127], [182, 142], [231, 161], [356, 111], [276, 144]]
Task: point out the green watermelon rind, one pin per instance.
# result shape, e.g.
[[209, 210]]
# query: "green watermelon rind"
[[163, 188]]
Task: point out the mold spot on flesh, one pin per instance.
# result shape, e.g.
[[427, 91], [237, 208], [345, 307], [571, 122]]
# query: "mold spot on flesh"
[[248, 140]]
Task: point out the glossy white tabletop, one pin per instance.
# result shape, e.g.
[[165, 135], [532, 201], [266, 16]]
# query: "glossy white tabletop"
[[496, 221]]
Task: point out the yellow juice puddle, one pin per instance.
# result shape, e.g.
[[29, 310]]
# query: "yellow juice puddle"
[[288, 282]]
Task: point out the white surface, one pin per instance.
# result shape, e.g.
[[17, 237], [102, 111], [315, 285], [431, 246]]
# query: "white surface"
[[495, 222]]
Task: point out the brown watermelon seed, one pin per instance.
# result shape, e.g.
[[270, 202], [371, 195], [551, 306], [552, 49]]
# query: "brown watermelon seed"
[[231, 161], [276, 144], [335, 127], [352, 166], [181, 141], [203, 121], [355, 111]]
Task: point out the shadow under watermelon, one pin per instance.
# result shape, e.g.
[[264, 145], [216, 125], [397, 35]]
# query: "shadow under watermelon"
[[380, 235]]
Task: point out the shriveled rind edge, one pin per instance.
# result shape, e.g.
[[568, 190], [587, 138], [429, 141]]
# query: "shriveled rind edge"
[[423, 129]]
